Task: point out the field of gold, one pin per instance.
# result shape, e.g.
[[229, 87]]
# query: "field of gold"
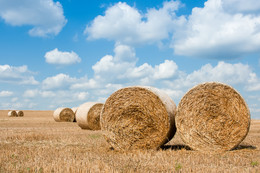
[[36, 143]]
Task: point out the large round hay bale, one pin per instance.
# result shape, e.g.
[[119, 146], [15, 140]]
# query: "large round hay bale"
[[12, 114], [20, 113], [74, 109], [212, 117], [88, 115], [138, 118], [63, 115]]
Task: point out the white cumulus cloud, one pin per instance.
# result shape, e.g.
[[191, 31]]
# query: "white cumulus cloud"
[[221, 29], [141, 71], [81, 95], [62, 58], [241, 6], [60, 81], [125, 24], [31, 93], [45, 16], [174, 94], [253, 86], [122, 68], [6, 93], [165, 70], [89, 84], [111, 68], [47, 94], [18, 75], [232, 74]]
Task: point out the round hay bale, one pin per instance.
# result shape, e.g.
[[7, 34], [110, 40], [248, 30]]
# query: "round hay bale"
[[88, 115], [63, 115], [20, 113], [12, 114], [74, 109], [138, 117], [212, 117]]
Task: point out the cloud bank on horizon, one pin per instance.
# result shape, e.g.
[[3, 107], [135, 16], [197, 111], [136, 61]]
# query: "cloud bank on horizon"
[[220, 30]]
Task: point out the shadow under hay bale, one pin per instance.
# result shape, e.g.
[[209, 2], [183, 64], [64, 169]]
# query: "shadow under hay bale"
[[241, 147], [138, 118], [212, 117], [175, 147], [20, 113], [88, 115], [12, 114], [63, 115]]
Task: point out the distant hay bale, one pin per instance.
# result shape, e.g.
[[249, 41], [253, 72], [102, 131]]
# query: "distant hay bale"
[[20, 113], [12, 114], [212, 117], [138, 118], [74, 109], [88, 115], [63, 115]]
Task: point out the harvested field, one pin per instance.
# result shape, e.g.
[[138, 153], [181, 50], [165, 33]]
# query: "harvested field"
[[36, 143]]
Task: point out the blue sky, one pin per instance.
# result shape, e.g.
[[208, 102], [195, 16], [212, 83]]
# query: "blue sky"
[[65, 53]]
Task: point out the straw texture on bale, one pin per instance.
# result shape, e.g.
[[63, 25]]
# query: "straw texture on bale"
[[74, 109], [63, 115], [20, 113], [138, 117], [12, 114], [212, 117], [88, 115]]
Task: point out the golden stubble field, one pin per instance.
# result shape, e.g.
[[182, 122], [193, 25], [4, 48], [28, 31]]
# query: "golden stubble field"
[[36, 143]]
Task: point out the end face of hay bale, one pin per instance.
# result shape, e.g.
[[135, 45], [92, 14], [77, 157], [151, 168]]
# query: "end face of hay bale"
[[88, 115], [63, 115], [12, 114], [212, 117], [137, 118], [20, 113]]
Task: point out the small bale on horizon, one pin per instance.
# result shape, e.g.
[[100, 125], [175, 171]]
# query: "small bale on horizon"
[[138, 117], [12, 113], [212, 117], [63, 114], [88, 115], [20, 113]]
